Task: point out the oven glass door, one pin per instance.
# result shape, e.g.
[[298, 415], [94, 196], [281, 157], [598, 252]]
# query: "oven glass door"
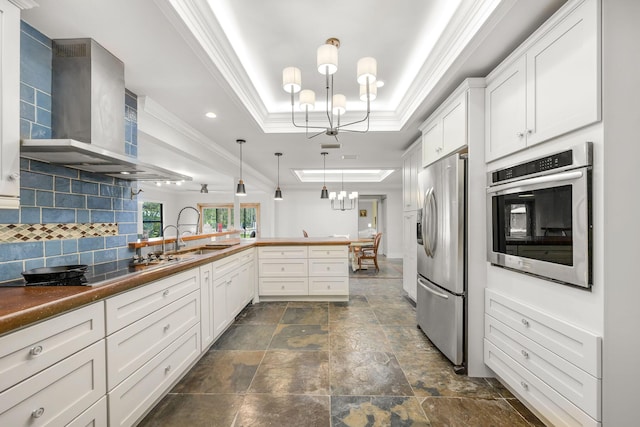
[[535, 224], [543, 226]]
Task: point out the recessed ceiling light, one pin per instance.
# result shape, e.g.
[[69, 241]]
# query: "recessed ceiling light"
[[124, 173], [379, 83], [211, 115]]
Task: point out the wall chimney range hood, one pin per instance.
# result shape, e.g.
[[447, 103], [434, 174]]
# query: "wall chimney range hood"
[[87, 116]]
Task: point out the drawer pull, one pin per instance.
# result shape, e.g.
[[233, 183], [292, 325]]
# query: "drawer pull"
[[328, 252], [167, 369], [525, 322], [328, 286], [282, 287], [328, 268], [525, 354], [281, 253], [37, 413], [281, 268], [524, 385], [165, 293], [167, 327], [36, 351]]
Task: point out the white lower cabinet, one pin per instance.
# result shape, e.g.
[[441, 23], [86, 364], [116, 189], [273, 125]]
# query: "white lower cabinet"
[[95, 416], [410, 254], [58, 394], [130, 400], [304, 271], [551, 364], [133, 346]]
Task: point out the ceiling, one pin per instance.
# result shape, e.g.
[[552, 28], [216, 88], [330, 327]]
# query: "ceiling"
[[184, 58]]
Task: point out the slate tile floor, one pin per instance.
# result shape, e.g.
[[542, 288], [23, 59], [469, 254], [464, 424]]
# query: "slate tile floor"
[[358, 363]]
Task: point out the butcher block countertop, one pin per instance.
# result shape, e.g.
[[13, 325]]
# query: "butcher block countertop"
[[22, 306]]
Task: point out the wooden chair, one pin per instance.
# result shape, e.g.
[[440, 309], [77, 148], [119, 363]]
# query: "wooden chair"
[[370, 253], [304, 233]]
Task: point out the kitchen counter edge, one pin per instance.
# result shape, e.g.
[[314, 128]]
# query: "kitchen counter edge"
[[24, 306]]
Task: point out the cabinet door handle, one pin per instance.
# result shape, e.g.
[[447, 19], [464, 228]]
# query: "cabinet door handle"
[[37, 413], [167, 327], [525, 322], [529, 131], [524, 385], [167, 369], [525, 354], [165, 293], [36, 351], [14, 177], [520, 135]]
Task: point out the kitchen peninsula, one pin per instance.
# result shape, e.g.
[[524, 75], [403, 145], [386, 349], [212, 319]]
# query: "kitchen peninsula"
[[152, 325]]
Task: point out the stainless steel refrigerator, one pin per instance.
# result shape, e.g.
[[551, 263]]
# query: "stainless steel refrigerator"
[[442, 280]]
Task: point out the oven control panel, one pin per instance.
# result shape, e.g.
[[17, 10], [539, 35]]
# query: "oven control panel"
[[543, 164]]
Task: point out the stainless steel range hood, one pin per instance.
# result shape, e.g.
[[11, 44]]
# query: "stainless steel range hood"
[[87, 116]]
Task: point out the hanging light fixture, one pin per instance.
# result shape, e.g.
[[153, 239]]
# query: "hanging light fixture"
[[278, 195], [338, 200], [240, 191], [335, 104], [324, 194]]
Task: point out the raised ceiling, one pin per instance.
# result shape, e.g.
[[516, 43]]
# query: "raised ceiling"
[[186, 57]]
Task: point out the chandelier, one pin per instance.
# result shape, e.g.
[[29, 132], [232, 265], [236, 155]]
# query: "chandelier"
[[335, 104], [339, 200]]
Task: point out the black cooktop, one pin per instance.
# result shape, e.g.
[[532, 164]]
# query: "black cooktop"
[[94, 274]]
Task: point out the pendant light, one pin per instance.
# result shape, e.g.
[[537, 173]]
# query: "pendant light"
[[324, 194], [278, 195], [240, 191]]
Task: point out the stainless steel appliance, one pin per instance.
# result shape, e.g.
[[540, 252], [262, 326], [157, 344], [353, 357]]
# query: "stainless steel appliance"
[[540, 219], [442, 281]]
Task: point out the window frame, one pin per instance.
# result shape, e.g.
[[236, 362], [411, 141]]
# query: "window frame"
[[160, 221], [230, 207]]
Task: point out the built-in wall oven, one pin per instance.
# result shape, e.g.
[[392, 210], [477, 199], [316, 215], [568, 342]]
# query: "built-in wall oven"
[[540, 218]]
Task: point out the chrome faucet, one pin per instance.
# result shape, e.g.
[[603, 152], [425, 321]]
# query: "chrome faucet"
[[177, 245], [197, 224]]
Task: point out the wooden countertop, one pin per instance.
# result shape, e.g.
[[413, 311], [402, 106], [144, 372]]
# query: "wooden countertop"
[[22, 306]]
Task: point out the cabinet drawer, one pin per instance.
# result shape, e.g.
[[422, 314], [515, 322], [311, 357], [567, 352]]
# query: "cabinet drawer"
[[282, 252], [131, 399], [246, 256], [580, 347], [328, 286], [283, 268], [32, 349], [124, 309], [131, 347], [96, 416], [570, 381], [328, 251], [329, 267], [225, 265], [558, 410], [284, 286], [58, 394]]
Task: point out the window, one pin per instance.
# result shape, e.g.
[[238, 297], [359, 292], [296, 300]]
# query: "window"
[[220, 216], [152, 219]]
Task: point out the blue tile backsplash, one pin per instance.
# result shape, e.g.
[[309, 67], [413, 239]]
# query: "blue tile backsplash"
[[52, 194]]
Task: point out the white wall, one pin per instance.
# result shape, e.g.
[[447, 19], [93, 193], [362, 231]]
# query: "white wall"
[[621, 115], [304, 210]]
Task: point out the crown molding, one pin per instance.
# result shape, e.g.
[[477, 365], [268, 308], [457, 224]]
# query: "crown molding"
[[200, 28], [25, 4]]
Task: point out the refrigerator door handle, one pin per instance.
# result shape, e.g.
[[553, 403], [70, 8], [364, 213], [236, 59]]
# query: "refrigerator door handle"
[[432, 291], [433, 231]]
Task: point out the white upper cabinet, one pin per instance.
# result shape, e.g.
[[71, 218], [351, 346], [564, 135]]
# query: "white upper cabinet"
[[446, 130], [9, 105], [411, 161], [549, 86]]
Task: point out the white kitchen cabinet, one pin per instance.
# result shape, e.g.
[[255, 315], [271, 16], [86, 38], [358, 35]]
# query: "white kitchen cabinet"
[[549, 86], [301, 272], [411, 166], [58, 394], [410, 258], [446, 130], [233, 288], [32, 349], [551, 364], [206, 305], [129, 401], [130, 348], [126, 308], [95, 416], [9, 105]]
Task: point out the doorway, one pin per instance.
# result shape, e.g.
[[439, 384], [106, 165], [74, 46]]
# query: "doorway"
[[372, 218]]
